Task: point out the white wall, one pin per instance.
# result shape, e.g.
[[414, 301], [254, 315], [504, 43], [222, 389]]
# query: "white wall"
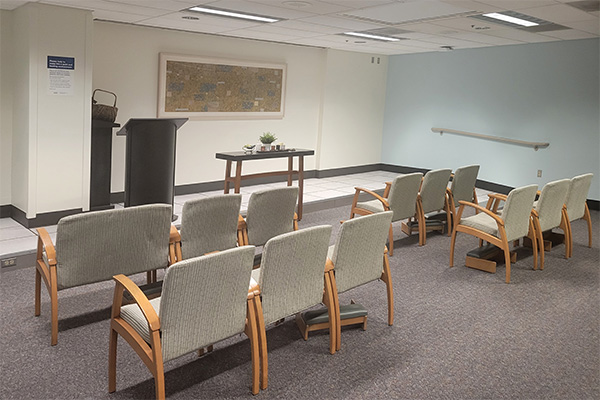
[[51, 133], [353, 106], [545, 92], [334, 100], [6, 93]]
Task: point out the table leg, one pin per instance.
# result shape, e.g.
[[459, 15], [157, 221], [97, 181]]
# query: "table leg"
[[227, 176], [300, 185], [290, 170], [238, 176]]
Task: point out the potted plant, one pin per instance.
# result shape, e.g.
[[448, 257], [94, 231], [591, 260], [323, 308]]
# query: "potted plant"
[[266, 139]]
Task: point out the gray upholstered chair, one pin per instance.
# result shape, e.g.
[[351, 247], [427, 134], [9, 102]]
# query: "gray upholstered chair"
[[359, 256], [513, 223], [461, 188], [400, 196], [204, 300], [270, 213], [577, 207], [549, 212], [92, 247], [431, 197], [292, 278], [209, 224]]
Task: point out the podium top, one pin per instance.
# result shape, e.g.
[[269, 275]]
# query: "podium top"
[[178, 122]]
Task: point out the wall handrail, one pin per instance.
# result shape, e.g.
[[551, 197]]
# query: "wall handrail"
[[535, 145]]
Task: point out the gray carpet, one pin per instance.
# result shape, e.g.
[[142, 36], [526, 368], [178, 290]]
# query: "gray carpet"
[[458, 334]]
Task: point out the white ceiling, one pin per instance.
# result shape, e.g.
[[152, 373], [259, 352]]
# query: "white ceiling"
[[424, 25]]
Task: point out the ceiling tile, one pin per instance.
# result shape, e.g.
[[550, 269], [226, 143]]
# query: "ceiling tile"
[[520, 35], [12, 4], [312, 7], [592, 26], [261, 9], [343, 23], [518, 4], [569, 34], [484, 38], [559, 13], [301, 25], [273, 28], [397, 13]]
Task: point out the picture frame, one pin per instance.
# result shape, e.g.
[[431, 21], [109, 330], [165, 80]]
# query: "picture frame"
[[199, 87]]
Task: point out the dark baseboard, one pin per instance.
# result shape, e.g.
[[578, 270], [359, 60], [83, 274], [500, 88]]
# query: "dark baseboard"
[[52, 218]]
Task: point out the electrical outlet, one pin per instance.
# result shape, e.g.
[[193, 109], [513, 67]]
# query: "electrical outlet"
[[539, 173], [8, 262]]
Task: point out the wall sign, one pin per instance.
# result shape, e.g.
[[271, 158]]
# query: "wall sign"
[[60, 75]]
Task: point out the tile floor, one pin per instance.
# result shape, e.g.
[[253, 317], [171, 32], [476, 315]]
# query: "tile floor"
[[16, 240]]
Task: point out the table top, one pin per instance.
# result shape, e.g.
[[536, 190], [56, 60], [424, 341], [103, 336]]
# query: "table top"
[[240, 155]]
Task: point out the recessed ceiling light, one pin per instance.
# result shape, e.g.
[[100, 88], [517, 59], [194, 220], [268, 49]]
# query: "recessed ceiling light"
[[297, 4], [374, 37], [511, 19], [232, 14]]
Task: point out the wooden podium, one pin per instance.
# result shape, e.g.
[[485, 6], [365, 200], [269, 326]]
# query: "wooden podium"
[[150, 159]]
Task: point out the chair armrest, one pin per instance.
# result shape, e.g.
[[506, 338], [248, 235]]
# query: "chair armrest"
[[174, 235], [383, 201], [498, 220], [241, 222], [329, 265], [498, 196], [386, 191], [45, 243], [123, 282]]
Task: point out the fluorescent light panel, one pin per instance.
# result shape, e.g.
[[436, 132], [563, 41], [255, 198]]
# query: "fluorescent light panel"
[[369, 36], [232, 14], [512, 20]]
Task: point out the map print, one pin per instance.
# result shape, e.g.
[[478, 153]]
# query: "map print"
[[204, 87]]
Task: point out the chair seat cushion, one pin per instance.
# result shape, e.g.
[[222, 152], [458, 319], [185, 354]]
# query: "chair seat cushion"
[[374, 206], [482, 222], [133, 315]]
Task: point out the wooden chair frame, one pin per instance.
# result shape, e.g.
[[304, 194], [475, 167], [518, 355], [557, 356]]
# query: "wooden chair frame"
[[354, 210], [151, 353], [329, 299], [386, 277], [569, 238], [452, 207], [49, 274], [501, 242]]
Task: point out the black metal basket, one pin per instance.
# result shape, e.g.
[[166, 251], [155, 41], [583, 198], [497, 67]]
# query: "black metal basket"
[[104, 112]]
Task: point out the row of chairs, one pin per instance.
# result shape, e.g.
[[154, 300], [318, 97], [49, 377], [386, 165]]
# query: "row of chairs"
[[200, 298], [206, 299], [415, 196], [558, 204]]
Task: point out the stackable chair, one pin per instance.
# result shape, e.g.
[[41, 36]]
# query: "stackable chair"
[[513, 223], [270, 213], [209, 224], [461, 188], [549, 213], [400, 196], [292, 278], [577, 207], [431, 197], [359, 256], [204, 300], [92, 247]]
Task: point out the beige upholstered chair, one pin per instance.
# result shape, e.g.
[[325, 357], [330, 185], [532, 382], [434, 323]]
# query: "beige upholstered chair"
[[359, 256], [292, 278], [577, 207], [92, 247], [549, 212], [513, 223], [431, 197], [400, 196], [270, 213], [204, 300], [209, 224], [461, 188]]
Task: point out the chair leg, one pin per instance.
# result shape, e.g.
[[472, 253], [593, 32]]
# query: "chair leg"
[[252, 334], [452, 243], [262, 344], [158, 368], [391, 240], [421, 221], [332, 314], [53, 307], [387, 278], [38, 291], [588, 218], [112, 361], [336, 310], [507, 261], [540, 241]]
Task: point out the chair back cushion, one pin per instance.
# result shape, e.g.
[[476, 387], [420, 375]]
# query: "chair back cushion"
[[270, 213], [94, 246], [204, 300], [403, 195], [292, 272], [433, 190], [463, 183], [577, 196], [550, 203], [358, 252], [517, 211], [209, 224]]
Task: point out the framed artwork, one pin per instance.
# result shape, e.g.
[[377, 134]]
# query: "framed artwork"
[[212, 88]]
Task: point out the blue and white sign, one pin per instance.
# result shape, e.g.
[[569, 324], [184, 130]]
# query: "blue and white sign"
[[60, 77]]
